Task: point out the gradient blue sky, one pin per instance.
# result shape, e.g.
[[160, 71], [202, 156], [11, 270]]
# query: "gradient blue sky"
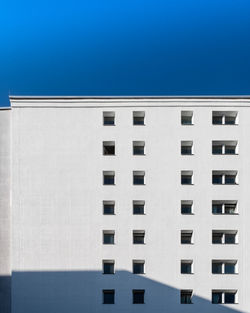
[[124, 47]]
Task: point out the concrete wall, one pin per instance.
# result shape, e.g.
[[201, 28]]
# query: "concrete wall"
[[57, 205]]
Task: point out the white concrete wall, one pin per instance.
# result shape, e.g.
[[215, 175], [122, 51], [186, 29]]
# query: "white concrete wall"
[[57, 195]]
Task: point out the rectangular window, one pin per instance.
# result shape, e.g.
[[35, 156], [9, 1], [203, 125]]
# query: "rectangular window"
[[186, 296], [224, 266], [224, 207], [224, 296], [138, 296], [224, 147], [108, 266], [138, 148], [138, 237], [186, 237], [187, 147], [108, 296], [138, 207], [187, 177], [108, 207], [108, 178], [109, 118], [138, 118], [186, 266], [186, 207], [108, 237], [108, 147], [224, 177], [224, 117], [224, 237], [138, 177], [187, 117], [138, 267]]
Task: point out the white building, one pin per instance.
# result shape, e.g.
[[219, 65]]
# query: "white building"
[[123, 205]]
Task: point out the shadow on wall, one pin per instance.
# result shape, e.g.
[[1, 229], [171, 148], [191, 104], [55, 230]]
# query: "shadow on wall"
[[81, 292]]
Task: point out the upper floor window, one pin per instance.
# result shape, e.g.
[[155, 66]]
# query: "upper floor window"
[[108, 147], [224, 117], [224, 266], [108, 237], [224, 147], [138, 148], [138, 266], [138, 237], [187, 177], [138, 296], [224, 296], [108, 177], [138, 207], [186, 296], [138, 118], [186, 237], [224, 177], [108, 266], [109, 118], [187, 147], [138, 177], [108, 296], [186, 266], [224, 237], [224, 207], [187, 117], [108, 207], [187, 207]]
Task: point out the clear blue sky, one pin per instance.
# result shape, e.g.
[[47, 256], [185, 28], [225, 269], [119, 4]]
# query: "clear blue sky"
[[124, 47]]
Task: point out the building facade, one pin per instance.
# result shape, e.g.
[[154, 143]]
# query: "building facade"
[[125, 205]]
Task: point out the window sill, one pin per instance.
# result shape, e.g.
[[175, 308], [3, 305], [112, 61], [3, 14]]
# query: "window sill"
[[223, 214]]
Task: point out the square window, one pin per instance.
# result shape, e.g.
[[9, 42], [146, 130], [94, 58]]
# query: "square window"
[[230, 238], [186, 266], [217, 208], [186, 237], [230, 120], [108, 207], [229, 297], [108, 237], [108, 266], [187, 147], [108, 296], [186, 207], [138, 147], [230, 208], [108, 177], [109, 118], [138, 237], [186, 177], [138, 266], [230, 267], [138, 296], [230, 149], [187, 117], [217, 119], [138, 207], [217, 237], [216, 267], [217, 179], [138, 118], [138, 177], [186, 296], [108, 147], [217, 149], [230, 179]]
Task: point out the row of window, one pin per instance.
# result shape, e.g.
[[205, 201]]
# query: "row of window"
[[186, 296], [187, 177], [187, 237], [226, 147], [138, 267], [187, 118], [220, 207]]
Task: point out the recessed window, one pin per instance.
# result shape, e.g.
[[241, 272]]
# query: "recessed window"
[[109, 118], [186, 266], [138, 266], [187, 177], [108, 207], [108, 266], [187, 117], [186, 296], [108, 296], [138, 237], [108, 178], [224, 177], [224, 237], [186, 147], [224, 147], [108, 237], [108, 147], [224, 296], [186, 207], [186, 237], [224, 266], [138, 148], [224, 207], [138, 296], [138, 118], [138, 177], [224, 117], [138, 207]]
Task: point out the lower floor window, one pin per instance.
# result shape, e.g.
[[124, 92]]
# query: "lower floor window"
[[186, 296], [224, 296], [108, 296], [138, 296]]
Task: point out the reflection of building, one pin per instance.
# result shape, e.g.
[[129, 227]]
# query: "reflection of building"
[[140, 202]]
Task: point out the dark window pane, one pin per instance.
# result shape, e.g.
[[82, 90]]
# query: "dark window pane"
[[186, 297], [186, 179], [217, 120], [108, 209], [230, 179], [229, 268], [186, 238], [138, 268], [138, 296], [138, 120], [109, 120], [138, 209], [138, 238], [108, 268], [217, 238], [138, 179], [217, 268], [186, 150], [217, 208], [217, 179], [108, 296], [217, 297], [230, 149], [230, 208], [108, 239], [138, 150], [230, 120], [217, 149], [108, 150], [230, 238], [186, 120], [229, 297], [186, 268], [186, 209], [109, 180]]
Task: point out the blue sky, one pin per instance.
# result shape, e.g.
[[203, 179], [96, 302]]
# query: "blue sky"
[[124, 47]]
